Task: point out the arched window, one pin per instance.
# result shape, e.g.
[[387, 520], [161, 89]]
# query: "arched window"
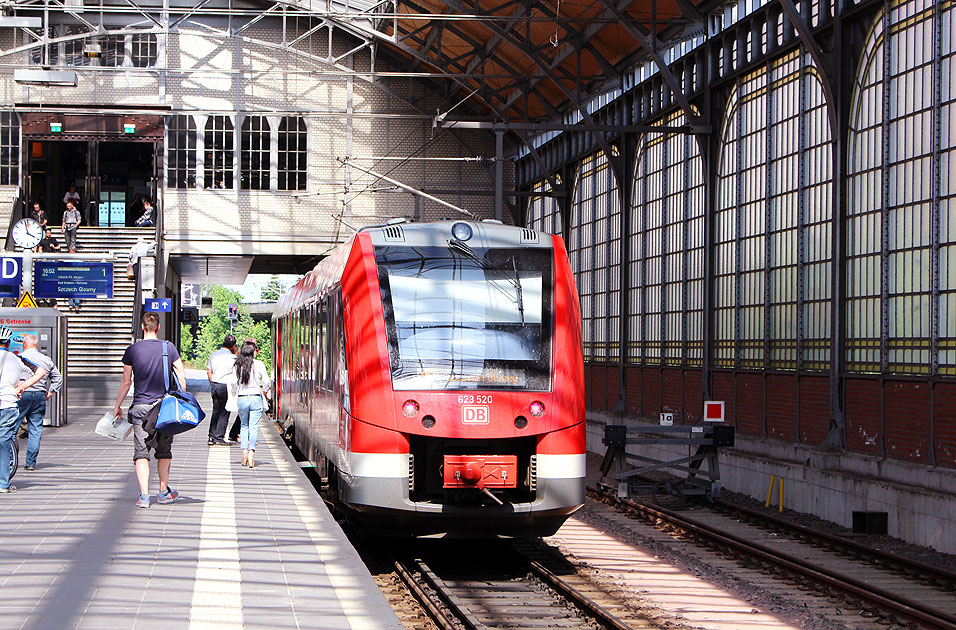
[[254, 153], [666, 294], [772, 227], [218, 152], [544, 213], [594, 244], [9, 149], [293, 153], [180, 152], [901, 197]]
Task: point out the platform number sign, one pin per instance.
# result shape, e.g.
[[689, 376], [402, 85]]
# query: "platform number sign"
[[713, 411]]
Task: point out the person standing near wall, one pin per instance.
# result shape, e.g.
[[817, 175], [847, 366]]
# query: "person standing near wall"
[[219, 372], [32, 404]]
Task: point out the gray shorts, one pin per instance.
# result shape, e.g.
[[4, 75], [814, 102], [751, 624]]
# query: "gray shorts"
[[144, 440]]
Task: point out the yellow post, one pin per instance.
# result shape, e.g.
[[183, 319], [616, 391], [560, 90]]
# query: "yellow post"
[[780, 493], [770, 490]]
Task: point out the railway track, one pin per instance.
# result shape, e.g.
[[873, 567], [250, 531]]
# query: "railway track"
[[507, 586], [884, 586]]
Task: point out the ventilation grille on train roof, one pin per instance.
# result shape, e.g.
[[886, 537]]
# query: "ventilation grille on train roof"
[[394, 233], [529, 236]]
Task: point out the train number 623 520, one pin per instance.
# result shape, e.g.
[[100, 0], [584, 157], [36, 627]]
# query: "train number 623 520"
[[471, 399]]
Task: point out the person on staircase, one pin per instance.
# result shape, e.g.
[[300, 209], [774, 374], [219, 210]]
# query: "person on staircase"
[[71, 221], [72, 196], [41, 217], [147, 219]]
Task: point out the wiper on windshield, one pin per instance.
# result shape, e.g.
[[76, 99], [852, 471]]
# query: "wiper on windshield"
[[463, 248]]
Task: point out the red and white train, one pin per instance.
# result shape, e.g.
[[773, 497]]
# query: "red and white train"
[[434, 373]]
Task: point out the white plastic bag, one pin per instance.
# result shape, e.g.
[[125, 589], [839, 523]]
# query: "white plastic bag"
[[114, 428]]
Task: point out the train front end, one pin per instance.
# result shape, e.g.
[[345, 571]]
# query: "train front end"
[[466, 382]]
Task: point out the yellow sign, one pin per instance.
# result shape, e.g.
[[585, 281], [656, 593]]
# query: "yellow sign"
[[26, 301]]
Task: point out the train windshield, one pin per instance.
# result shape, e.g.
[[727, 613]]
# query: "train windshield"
[[459, 318]]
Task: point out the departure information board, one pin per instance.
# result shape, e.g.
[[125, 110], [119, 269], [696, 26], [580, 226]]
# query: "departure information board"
[[74, 279]]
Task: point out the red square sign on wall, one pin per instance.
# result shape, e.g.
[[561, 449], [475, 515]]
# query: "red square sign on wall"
[[713, 411]]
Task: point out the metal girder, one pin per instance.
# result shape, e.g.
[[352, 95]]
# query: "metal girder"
[[596, 128], [816, 54], [649, 41], [587, 33], [572, 98]]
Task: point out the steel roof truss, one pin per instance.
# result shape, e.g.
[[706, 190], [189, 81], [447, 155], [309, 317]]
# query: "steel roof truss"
[[649, 41]]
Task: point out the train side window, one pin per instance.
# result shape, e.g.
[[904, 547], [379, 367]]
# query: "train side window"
[[342, 369], [324, 327]]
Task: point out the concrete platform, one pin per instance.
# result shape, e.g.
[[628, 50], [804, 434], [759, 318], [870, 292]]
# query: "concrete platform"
[[240, 548]]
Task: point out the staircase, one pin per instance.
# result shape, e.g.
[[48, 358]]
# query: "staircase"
[[100, 330]]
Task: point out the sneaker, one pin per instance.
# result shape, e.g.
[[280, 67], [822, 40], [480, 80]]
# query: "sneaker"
[[220, 443], [9, 490], [211, 442], [30, 468], [168, 497], [143, 501]]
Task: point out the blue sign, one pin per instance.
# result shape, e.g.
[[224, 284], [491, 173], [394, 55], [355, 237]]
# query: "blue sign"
[[72, 279], [11, 277], [159, 305]]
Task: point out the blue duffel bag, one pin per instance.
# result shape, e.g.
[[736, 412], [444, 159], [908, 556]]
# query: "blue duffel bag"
[[179, 411]]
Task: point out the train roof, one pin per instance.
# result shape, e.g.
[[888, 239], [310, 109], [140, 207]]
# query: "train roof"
[[481, 234]]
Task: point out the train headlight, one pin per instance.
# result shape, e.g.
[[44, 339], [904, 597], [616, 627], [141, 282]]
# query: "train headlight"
[[521, 422], [428, 422], [461, 231], [536, 408], [410, 408]]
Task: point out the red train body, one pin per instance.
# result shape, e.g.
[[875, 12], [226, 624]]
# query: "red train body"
[[434, 373]]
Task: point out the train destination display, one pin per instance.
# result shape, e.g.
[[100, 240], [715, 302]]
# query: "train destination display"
[[56, 279]]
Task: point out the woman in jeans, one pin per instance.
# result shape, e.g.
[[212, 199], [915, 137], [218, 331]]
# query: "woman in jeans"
[[252, 381]]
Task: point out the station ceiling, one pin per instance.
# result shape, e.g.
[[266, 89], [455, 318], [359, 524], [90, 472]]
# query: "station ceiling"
[[535, 60]]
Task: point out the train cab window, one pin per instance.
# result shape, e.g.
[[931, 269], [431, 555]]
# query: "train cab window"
[[459, 318]]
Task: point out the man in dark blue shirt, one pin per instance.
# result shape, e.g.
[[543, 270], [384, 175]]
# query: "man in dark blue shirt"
[[144, 361]]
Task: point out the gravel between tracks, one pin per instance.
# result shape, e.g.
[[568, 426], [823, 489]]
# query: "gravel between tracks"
[[723, 574]]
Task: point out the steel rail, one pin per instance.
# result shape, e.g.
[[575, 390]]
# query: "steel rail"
[[577, 598], [445, 597], [422, 597], [913, 566], [889, 602]]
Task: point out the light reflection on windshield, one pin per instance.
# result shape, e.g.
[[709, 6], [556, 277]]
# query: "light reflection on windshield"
[[456, 321]]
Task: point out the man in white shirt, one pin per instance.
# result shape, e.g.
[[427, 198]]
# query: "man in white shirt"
[[12, 369], [71, 195], [219, 371], [32, 404]]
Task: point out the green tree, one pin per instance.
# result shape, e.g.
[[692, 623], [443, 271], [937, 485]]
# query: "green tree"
[[187, 343], [215, 326], [272, 290]]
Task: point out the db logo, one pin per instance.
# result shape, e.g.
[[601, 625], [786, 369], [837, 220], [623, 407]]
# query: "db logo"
[[474, 414]]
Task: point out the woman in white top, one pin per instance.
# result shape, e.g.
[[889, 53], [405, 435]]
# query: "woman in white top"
[[252, 382]]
